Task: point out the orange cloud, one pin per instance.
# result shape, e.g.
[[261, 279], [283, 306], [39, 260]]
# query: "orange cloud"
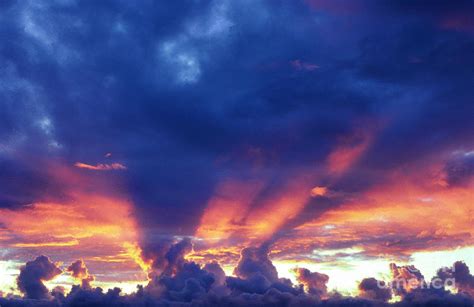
[[74, 230], [226, 255], [319, 191], [393, 220], [101, 166], [245, 212], [86, 215]]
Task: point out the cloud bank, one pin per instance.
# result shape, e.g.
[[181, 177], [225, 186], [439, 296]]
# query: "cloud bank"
[[256, 284]]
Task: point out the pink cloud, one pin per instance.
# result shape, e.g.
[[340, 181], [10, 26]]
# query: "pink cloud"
[[101, 166]]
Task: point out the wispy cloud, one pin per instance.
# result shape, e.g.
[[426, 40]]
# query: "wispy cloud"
[[101, 166]]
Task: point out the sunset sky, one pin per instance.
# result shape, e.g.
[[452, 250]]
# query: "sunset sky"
[[337, 134]]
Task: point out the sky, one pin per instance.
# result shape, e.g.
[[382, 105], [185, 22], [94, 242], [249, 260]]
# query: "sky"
[[332, 135]]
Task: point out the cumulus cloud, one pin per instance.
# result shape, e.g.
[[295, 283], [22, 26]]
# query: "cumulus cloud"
[[33, 274], [253, 261], [175, 256], [79, 271], [176, 279], [314, 283], [191, 284], [371, 288], [405, 279], [256, 283], [166, 257], [217, 272], [461, 275]]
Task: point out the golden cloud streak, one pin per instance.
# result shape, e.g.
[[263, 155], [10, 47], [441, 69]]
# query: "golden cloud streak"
[[48, 244]]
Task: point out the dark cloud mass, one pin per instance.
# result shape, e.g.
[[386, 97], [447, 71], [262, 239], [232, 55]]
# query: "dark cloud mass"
[[33, 274], [374, 289], [254, 261], [176, 89], [194, 285], [461, 275]]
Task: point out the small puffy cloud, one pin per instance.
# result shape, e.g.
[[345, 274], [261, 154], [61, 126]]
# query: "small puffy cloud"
[[314, 283], [79, 271], [319, 191]]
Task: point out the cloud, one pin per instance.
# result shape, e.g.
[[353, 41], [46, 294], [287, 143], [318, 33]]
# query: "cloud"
[[176, 279], [459, 170], [101, 166], [75, 226], [314, 282], [33, 274], [217, 272], [373, 289], [319, 191], [460, 274], [79, 271], [166, 257], [153, 88], [405, 279], [194, 285], [294, 119], [175, 256], [254, 261]]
